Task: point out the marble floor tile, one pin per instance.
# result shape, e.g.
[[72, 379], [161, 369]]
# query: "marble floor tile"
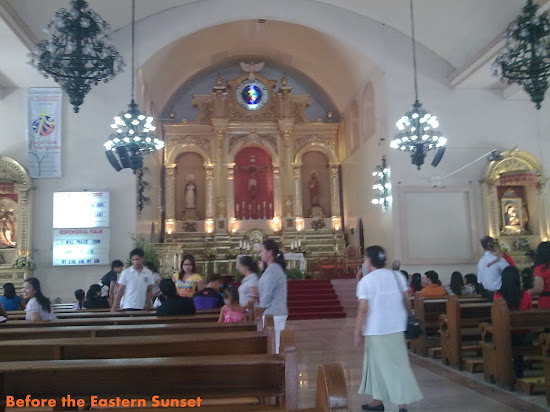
[[330, 341]]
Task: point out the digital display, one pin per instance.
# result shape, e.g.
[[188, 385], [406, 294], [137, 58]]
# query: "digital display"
[[80, 247], [80, 210]]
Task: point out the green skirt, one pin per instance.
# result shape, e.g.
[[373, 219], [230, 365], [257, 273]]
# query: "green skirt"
[[387, 373]]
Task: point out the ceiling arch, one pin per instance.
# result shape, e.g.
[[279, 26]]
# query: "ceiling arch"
[[332, 65]]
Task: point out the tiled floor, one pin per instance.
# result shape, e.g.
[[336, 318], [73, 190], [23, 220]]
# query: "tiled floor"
[[330, 341]]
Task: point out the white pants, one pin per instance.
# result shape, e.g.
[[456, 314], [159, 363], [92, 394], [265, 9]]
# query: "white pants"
[[279, 323]]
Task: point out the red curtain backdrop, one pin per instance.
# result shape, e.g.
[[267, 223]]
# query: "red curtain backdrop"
[[258, 201]]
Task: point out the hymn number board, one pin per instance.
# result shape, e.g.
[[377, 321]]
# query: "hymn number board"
[[80, 228]]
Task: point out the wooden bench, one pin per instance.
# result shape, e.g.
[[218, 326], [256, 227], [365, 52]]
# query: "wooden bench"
[[112, 320], [100, 313], [496, 341], [256, 375], [427, 311], [104, 331], [459, 325], [331, 396], [545, 341]]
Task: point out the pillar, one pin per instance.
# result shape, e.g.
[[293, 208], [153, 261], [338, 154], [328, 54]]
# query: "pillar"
[[170, 191], [334, 190], [297, 173], [209, 191], [230, 190]]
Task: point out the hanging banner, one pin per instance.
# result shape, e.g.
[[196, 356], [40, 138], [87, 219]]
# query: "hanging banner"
[[44, 132]]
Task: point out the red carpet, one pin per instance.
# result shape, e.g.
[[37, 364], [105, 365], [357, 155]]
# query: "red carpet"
[[313, 299]]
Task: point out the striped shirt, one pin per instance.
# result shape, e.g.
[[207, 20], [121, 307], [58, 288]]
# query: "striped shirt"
[[272, 288]]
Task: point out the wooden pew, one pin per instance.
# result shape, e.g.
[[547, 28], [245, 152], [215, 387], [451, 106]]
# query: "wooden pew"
[[427, 311], [331, 396], [461, 323], [496, 341], [104, 331], [112, 320], [204, 344], [102, 313], [225, 376], [545, 341]]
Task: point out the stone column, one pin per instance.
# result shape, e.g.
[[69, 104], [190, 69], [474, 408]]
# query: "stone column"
[[230, 190], [220, 129], [209, 191], [297, 173], [170, 191], [277, 193], [24, 220], [334, 190]]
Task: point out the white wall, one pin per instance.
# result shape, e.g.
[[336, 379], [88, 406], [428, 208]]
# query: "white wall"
[[474, 121], [84, 167]]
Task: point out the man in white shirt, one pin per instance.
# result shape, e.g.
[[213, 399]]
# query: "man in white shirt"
[[135, 284], [490, 276]]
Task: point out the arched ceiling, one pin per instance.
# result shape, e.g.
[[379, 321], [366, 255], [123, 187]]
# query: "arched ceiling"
[[455, 30], [334, 66]]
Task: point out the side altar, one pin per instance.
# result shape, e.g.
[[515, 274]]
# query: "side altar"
[[251, 166]]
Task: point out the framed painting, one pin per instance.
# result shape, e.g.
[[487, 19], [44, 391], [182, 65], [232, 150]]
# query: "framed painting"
[[512, 211]]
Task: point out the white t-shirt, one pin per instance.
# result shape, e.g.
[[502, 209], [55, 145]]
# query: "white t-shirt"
[[384, 289], [135, 287]]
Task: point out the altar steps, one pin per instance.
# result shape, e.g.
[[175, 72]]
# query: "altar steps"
[[313, 299]]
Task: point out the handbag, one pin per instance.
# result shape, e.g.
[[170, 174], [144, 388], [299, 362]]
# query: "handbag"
[[414, 328]]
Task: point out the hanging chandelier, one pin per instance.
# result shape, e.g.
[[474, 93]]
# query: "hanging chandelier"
[[418, 132], [526, 58], [382, 185], [77, 56], [133, 134]]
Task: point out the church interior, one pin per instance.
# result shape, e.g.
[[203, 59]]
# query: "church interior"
[[288, 121]]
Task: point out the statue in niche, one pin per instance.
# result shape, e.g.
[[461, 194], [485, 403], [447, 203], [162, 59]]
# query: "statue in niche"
[[514, 214], [314, 189], [252, 170], [190, 192], [7, 226]]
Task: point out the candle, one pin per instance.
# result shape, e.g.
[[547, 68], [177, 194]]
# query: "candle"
[[240, 244], [270, 209], [299, 243]]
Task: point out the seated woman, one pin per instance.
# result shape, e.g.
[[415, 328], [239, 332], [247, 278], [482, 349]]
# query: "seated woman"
[[516, 299], [416, 283], [456, 287], [38, 306], [94, 300], [174, 304], [471, 287], [10, 300]]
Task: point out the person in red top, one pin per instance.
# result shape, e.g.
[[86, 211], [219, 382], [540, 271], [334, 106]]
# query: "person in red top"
[[516, 299], [541, 282]]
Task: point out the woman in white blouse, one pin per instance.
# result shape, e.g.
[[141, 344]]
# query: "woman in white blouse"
[[38, 306], [381, 321]]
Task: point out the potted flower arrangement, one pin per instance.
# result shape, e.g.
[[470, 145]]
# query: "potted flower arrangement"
[[209, 253], [22, 261]]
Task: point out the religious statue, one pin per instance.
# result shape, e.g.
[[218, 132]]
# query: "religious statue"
[[252, 170], [511, 216], [314, 189], [7, 228], [190, 192]]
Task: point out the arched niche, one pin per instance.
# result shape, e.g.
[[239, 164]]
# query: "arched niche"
[[515, 199], [15, 218], [353, 121], [368, 118], [253, 188], [315, 189], [190, 172]]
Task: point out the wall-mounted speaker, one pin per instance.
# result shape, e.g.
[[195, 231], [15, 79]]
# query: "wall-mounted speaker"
[[113, 160], [438, 156]]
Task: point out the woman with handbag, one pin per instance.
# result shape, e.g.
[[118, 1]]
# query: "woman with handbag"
[[382, 318]]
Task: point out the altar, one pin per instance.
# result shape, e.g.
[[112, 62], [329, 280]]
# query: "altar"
[[251, 166]]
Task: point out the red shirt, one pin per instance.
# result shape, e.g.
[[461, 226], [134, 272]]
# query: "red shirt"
[[526, 301], [544, 272], [508, 259]]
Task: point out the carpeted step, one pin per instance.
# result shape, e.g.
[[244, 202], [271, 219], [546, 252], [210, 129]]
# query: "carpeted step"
[[318, 315], [324, 298], [316, 309], [309, 303]]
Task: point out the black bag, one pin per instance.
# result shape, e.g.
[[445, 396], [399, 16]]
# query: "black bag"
[[414, 329]]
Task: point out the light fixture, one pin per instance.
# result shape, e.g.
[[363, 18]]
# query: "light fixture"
[[382, 185], [133, 134], [526, 58], [77, 56], [418, 132]]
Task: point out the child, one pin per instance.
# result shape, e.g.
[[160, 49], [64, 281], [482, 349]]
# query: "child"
[[232, 311], [79, 294]]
